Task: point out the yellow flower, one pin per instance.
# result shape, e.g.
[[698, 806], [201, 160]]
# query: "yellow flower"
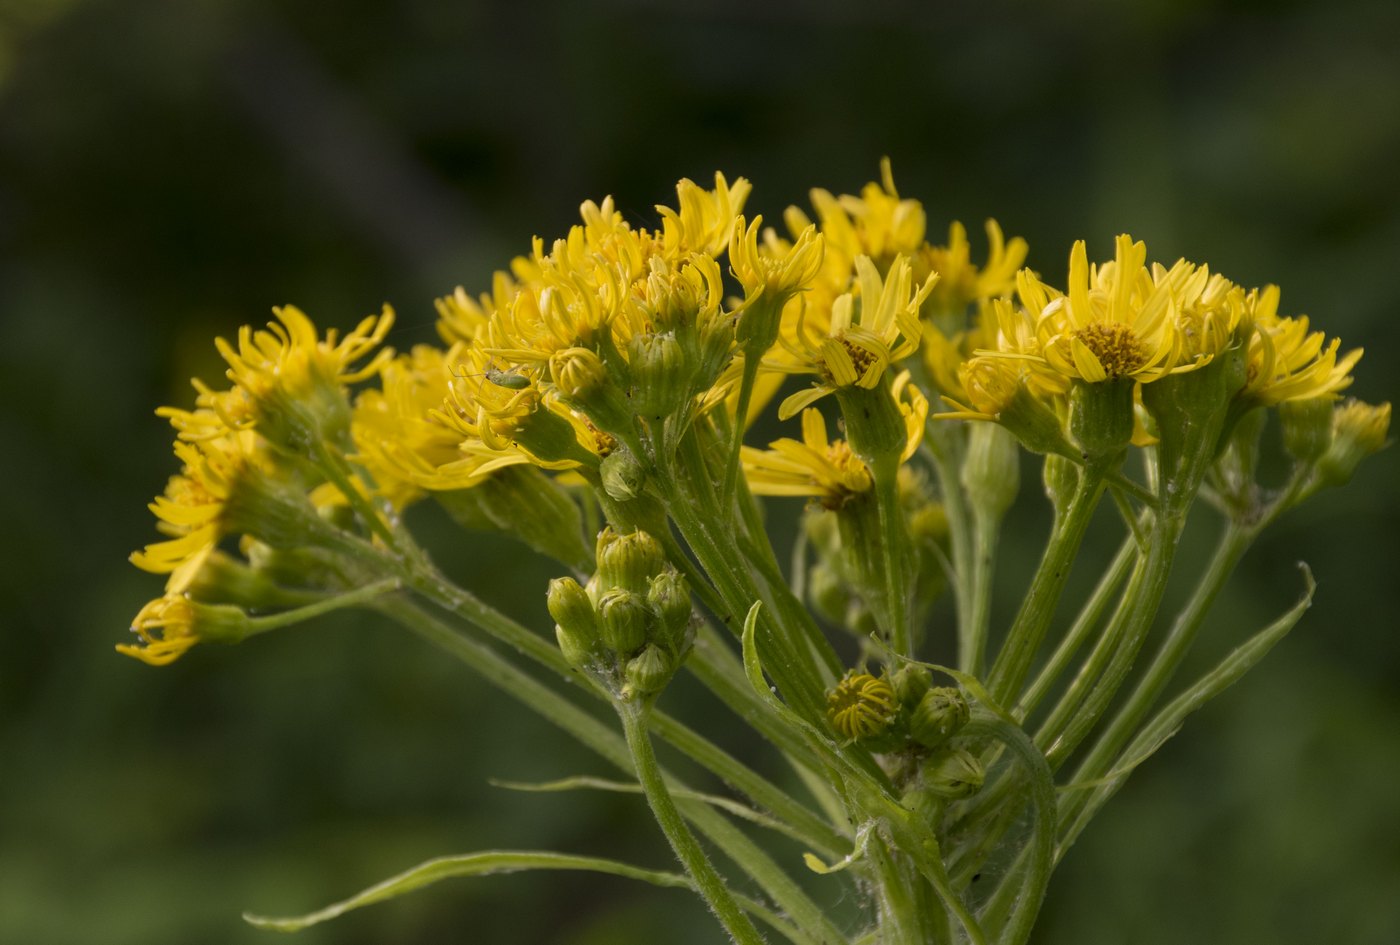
[[405, 449], [861, 342], [1286, 361], [705, 219], [463, 318], [288, 363], [877, 223], [961, 283], [774, 276], [818, 467], [861, 706], [507, 418], [166, 626], [1114, 322], [195, 508]]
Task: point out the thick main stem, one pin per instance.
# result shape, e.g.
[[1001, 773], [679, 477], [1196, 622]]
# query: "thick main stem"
[[683, 843]]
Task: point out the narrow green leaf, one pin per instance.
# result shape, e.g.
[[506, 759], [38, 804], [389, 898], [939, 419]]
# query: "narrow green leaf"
[[585, 782], [496, 862]]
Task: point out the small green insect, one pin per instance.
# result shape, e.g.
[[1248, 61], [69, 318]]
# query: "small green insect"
[[507, 379]]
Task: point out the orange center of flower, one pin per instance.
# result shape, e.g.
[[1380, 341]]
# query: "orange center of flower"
[[1117, 348]]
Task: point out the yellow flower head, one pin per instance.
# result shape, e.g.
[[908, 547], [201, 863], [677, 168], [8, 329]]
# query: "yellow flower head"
[[1114, 322], [1286, 361], [963, 283], [704, 219], [166, 626], [199, 505], [505, 417], [463, 318], [871, 329], [877, 223], [405, 449], [289, 372], [675, 295], [775, 276], [819, 467], [861, 706]]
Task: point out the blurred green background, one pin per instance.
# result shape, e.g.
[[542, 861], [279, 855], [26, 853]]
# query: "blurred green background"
[[169, 170]]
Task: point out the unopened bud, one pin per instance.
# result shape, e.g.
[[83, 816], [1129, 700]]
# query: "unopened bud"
[[629, 561], [578, 373], [910, 683], [650, 670], [952, 774], [569, 605], [1358, 430], [670, 599], [623, 475], [939, 714], [991, 471], [660, 375], [624, 619]]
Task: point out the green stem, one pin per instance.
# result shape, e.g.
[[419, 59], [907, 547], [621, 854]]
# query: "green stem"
[[1021, 893], [455, 599], [595, 735], [337, 470], [894, 545], [898, 914], [353, 598], [1234, 542], [972, 633], [1089, 616], [944, 442], [1231, 548], [746, 383], [1112, 659], [1038, 609], [687, 849]]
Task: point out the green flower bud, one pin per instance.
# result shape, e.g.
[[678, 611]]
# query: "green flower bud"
[[569, 605], [628, 561], [1101, 418], [1061, 480], [577, 627], [1358, 430], [991, 470], [939, 714], [910, 683], [649, 671], [623, 475], [716, 351], [670, 599], [624, 618], [583, 653], [927, 805], [952, 774], [661, 375], [1307, 427]]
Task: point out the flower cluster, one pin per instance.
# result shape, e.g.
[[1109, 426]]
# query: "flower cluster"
[[594, 403]]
